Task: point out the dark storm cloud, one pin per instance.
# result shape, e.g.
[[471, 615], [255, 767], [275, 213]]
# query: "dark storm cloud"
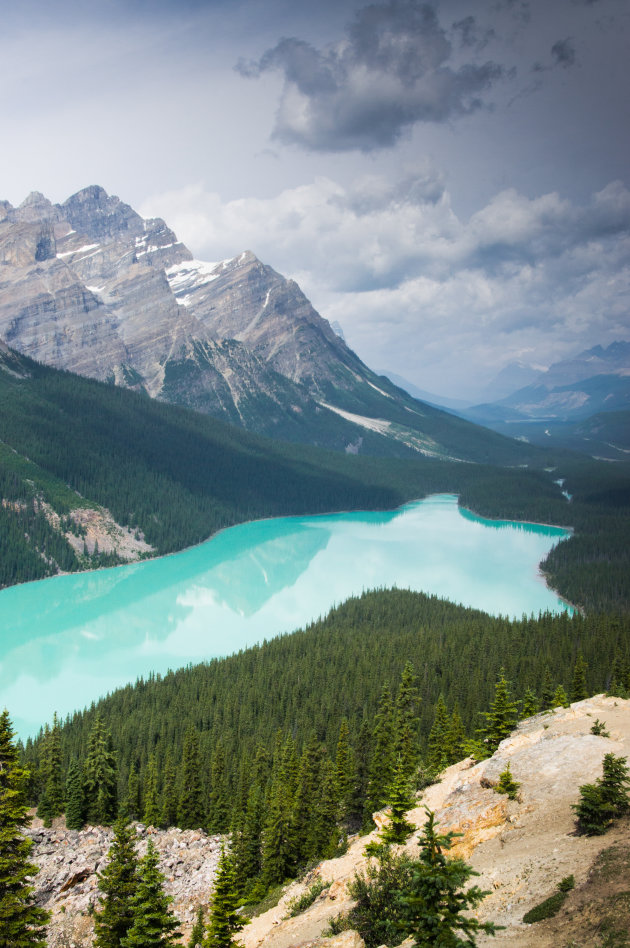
[[393, 69], [563, 53], [470, 35]]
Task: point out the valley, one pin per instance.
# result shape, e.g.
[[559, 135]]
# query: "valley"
[[313, 578]]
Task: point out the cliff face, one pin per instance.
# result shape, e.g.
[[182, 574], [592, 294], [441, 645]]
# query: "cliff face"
[[91, 287]]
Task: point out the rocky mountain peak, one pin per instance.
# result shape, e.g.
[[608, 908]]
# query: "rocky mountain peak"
[[35, 198], [98, 215], [91, 287]]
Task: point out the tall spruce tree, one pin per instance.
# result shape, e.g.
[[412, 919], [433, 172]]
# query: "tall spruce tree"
[[435, 906], [100, 776], [22, 923], [190, 809], [219, 809], [198, 930], [280, 851], [118, 883], [579, 688], [51, 803], [502, 717], [154, 925], [305, 801], [225, 920], [456, 737], [438, 755], [406, 749], [344, 769], [75, 803], [398, 828], [132, 806], [382, 761], [151, 814], [168, 810], [531, 704]]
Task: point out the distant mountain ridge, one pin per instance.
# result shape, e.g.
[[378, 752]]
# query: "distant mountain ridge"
[[91, 287], [596, 380]]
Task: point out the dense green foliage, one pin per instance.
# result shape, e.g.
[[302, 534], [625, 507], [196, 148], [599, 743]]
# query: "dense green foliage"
[[604, 801], [424, 898], [118, 883], [262, 745], [21, 921], [551, 906], [225, 920], [177, 477], [154, 925]]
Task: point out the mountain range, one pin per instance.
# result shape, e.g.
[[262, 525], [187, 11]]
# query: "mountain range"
[[581, 403], [91, 287]]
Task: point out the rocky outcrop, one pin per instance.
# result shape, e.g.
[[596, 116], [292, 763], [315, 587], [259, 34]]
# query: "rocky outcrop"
[[69, 863], [520, 848], [91, 287]]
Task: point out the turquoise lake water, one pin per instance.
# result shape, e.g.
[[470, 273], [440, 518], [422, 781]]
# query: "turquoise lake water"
[[68, 640]]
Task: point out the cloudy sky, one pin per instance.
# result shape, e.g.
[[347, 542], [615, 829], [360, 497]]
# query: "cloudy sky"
[[450, 180]]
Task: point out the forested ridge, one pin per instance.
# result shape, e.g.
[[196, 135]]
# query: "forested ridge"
[[178, 476], [392, 675]]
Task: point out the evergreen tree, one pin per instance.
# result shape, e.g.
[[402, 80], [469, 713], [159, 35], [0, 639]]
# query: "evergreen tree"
[[154, 925], [168, 815], [602, 802], [151, 814], [382, 759], [435, 907], [219, 810], [619, 686], [306, 796], [22, 923], [325, 816], [52, 801], [344, 768], [398, 829], [247, 846], [190, 810], [75, 804], [438, 754], [615, 782], [531, 704], [406, 747], [579, 688], [225, 920], [118, 883], [280, 851], [559, 699], [456, 737], [132, 807], [546, 692], [502, 717], [507, 784], [100, 777], [198, 930], [362, 754]]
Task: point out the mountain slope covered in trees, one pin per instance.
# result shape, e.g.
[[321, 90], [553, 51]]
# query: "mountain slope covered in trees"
[[176, 477]]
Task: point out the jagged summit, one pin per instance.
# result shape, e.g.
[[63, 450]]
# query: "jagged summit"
[[92, 287]]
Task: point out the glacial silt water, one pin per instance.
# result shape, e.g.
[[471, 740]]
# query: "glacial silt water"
[[68, 640]]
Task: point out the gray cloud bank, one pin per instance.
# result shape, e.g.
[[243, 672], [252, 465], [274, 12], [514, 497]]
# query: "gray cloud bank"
[[445, 301], [394, 68]]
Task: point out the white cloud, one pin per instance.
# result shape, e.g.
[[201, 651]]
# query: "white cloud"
[[444, 301]]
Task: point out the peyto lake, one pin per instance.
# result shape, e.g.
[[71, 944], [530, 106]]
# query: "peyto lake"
[[70, 639]]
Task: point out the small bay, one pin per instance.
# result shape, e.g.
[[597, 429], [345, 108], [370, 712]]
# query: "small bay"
[[68, 640]]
